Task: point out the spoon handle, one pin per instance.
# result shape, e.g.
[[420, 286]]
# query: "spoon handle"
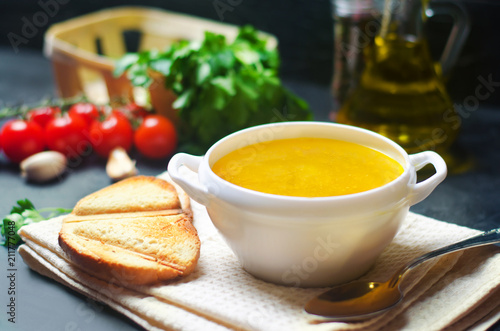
[[485, 238]]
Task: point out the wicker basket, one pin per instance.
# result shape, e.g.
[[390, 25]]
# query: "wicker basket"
[[83, 50]]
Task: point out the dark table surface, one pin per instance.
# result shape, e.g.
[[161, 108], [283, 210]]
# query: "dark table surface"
[[469, 197]]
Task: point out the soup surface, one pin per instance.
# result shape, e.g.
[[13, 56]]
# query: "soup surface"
[[307, 167]]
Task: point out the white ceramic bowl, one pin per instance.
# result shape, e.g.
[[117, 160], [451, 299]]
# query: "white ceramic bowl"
[[306, 241]]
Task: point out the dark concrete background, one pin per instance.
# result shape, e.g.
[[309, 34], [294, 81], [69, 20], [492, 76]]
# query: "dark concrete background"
[[304, 29]]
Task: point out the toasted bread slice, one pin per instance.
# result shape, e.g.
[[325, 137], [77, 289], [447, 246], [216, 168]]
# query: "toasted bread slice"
[[133, 250], [137, 231], [134, 194]]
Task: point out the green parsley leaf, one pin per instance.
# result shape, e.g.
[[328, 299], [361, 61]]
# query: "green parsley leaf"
[[24, 214], [125, 63]]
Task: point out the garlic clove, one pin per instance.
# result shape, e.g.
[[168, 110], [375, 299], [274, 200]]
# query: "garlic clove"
[[119, 165], [43, 166]]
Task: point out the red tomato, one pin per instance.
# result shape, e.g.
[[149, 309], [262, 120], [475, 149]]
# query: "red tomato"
[[136, 112], [114, 131], [21, 139], [43, 115], [68, 134], [88, 111], [156, 137]]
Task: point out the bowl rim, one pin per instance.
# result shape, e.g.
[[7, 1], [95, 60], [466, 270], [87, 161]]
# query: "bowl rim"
[[229, 190]]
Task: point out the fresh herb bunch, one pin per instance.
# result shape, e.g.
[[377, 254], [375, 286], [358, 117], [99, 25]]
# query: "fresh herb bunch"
[[23, 214], [221, 87]]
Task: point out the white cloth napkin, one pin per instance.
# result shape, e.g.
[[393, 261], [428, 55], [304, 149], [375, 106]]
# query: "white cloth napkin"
[[458, 291]]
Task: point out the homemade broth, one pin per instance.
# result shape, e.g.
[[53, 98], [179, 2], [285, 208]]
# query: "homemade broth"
[[307, 167]]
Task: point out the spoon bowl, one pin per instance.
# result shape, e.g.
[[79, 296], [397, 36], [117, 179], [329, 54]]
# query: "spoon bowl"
[[355, 301], [360, 300]]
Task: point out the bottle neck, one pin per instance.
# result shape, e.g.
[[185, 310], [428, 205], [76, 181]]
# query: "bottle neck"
[[403, 19], [357, 8]]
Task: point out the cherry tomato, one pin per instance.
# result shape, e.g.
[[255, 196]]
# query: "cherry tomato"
[[87, 110], [21, 139], [43, 115], [68, 134], [136, 112], [114, 131], [156, 137]]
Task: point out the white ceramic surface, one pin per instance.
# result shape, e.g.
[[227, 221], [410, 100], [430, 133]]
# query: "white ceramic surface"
[[306, 241]]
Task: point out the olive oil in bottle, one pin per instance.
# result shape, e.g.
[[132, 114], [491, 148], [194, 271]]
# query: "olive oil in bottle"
[[402, 96]]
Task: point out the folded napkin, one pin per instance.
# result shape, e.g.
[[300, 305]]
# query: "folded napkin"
[[458, 291]]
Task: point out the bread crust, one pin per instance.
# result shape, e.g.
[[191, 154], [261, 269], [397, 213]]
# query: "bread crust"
[[125, 264], [96, 203], [129, 246]]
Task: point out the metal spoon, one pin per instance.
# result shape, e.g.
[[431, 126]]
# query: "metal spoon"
[[360, 300]]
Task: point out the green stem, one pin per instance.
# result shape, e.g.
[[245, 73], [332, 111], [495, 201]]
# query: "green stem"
[[10, 112], [22, 110], [54, 211]]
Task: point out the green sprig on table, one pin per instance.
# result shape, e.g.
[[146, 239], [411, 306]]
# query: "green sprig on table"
[[22, 109], [24, 213], [221, 87]]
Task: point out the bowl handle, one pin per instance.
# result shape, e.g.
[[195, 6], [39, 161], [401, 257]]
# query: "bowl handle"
[[188, 181], [424, 188]]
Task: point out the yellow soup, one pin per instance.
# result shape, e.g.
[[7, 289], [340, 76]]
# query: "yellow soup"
[[307, 167]]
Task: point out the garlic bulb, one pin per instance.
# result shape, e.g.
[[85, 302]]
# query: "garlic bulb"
[[43, 166], [119, 165]]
